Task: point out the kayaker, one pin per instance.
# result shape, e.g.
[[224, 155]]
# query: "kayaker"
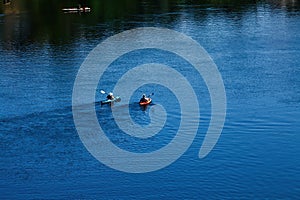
[[110, 96], [144, 98]]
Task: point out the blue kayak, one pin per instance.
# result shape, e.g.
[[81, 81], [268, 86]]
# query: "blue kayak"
[[108, 101]]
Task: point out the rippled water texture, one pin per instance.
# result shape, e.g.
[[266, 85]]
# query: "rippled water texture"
[[256, 47]]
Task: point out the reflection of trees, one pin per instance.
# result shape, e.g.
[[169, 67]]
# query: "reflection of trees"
[[43, 21], [6, 2], [282, 3]]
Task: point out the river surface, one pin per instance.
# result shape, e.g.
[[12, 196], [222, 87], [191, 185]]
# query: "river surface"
[[256, 48]]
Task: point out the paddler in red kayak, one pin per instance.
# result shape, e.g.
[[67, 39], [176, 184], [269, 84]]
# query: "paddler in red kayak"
[[145, 100]]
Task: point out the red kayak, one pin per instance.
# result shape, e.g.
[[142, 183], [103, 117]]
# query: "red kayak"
[[144, 103]]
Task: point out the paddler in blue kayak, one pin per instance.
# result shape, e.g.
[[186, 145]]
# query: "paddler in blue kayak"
[[110, 96]]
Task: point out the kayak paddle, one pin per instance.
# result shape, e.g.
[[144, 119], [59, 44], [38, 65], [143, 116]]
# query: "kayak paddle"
[[151, 94]]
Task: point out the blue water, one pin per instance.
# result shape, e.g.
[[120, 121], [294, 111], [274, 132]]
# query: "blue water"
[[257, 51]]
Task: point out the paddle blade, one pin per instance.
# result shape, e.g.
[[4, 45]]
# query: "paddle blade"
[[102, 91]]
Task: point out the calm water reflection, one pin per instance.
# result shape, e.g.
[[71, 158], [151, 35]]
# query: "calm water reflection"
[[256, 46]]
